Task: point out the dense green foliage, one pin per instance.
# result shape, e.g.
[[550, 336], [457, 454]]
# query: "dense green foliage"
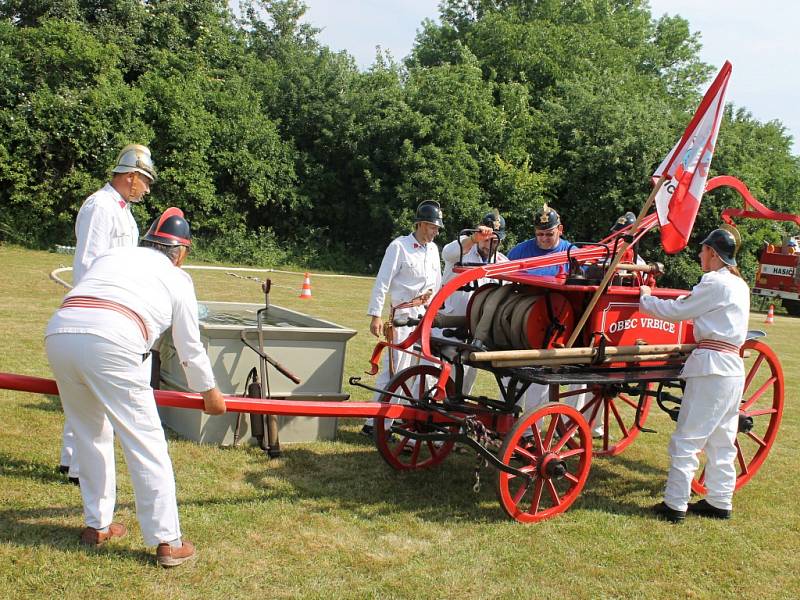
[[279, 149]]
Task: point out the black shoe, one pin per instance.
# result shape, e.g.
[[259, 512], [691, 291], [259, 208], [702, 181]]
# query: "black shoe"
[[75, 481], [704, 509], [63, 469], [665, 513], [368, 431]]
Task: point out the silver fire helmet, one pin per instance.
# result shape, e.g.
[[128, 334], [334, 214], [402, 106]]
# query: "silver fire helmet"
[[135, 158]]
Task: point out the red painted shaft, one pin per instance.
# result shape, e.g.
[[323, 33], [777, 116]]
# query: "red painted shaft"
[[296, 408]]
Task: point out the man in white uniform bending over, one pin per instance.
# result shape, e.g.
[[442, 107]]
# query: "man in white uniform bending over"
[[105, 221], [410, 270], [97, 343], [477, 249]]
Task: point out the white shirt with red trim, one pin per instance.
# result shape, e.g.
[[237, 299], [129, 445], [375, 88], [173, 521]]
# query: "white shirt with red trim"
[[720, 307], [456, 303], [145, 281], [408, 269], [104, 221]]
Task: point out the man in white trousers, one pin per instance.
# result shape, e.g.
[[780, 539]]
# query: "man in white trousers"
[[410, 270], [105, 221], [97, 343], [473, 249], [714, 373]]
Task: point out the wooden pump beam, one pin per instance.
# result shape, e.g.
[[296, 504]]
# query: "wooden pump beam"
[[565, 353], [613, 267]]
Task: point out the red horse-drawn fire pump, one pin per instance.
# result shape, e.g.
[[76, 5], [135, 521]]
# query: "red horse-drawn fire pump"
[[624, 362]]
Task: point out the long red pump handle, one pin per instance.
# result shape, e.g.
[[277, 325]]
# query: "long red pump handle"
[[297, 408]]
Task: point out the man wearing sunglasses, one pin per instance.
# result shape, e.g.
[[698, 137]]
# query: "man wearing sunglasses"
[[548, 240]]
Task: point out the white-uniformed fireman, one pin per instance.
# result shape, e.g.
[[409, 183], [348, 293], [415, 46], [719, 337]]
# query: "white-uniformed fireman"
[[105, 221], [410, 270], [97, 342], [714, 374], [477, 249]]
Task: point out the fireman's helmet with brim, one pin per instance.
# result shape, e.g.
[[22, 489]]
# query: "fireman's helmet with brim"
[[135, 158], [170, 229], [546, 218], [624, 221], [723, 242], [496, 223], [429, 211]]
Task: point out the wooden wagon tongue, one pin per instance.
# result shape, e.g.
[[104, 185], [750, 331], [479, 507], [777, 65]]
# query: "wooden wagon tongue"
[[577, 356]]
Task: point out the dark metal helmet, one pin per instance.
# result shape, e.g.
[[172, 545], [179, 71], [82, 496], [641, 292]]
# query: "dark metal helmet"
[[170, 229], [135, 158], [496, 223], [429, 211], [546, 218], [624, 221], [723, 242]]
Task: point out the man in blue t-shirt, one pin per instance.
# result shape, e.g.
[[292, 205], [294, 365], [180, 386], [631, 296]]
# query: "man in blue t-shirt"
[[548, 240]]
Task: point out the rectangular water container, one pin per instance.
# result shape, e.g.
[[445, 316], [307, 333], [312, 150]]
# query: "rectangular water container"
[[312, 349]]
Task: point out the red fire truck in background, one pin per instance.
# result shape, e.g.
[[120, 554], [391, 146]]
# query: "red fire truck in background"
[[778, 271], [779, 276]]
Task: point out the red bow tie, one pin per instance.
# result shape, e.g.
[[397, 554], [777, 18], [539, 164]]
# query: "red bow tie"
[[122, 203], [417, 245]]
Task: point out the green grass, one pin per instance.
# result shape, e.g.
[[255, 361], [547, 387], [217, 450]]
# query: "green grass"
[[332, 520]]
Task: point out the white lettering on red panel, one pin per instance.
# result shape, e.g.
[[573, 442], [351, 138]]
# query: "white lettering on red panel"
[[642, 322]]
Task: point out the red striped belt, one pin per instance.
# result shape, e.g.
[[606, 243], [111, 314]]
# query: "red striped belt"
[[718, 346], [90, 302]]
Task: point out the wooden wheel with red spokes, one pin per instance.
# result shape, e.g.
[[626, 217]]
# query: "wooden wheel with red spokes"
[[610, 412], [401, 451], [557, 464], [759, 413]]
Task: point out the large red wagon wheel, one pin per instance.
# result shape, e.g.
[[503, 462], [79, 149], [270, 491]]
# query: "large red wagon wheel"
[[759, 414], [400, 451], [558, 464], [613, 412]]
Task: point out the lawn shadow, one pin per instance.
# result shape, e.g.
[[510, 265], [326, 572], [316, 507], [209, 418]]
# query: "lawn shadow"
[[39, 527], [47, 404], [15, 467], [359, 481]]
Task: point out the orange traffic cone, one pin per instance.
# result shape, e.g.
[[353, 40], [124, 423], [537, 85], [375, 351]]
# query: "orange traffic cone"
[[305, 292], [770, 315]]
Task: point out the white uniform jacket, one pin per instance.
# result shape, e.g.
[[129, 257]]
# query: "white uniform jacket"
[[456, 303], [104, 221], [145, 281], [720, 307], [408, 269]]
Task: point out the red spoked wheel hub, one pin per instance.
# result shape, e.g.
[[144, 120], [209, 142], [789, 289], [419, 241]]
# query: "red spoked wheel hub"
[[610, 413], [553, 447], [759, 413], [400, 451]]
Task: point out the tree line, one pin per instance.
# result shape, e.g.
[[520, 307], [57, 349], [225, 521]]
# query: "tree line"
[[281, 150]]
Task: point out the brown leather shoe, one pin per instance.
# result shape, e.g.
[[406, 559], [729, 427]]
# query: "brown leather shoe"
[[93, 537], [167, 556]]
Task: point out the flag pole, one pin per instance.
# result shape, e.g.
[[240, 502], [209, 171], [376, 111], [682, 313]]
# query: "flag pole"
[[617, 258]]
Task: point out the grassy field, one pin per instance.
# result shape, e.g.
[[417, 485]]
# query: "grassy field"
[[331, 520]]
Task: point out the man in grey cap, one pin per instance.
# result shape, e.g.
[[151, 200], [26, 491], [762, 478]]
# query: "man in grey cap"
[[104, 222]]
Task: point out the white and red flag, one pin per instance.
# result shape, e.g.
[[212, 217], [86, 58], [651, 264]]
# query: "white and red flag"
[[686, 168]]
